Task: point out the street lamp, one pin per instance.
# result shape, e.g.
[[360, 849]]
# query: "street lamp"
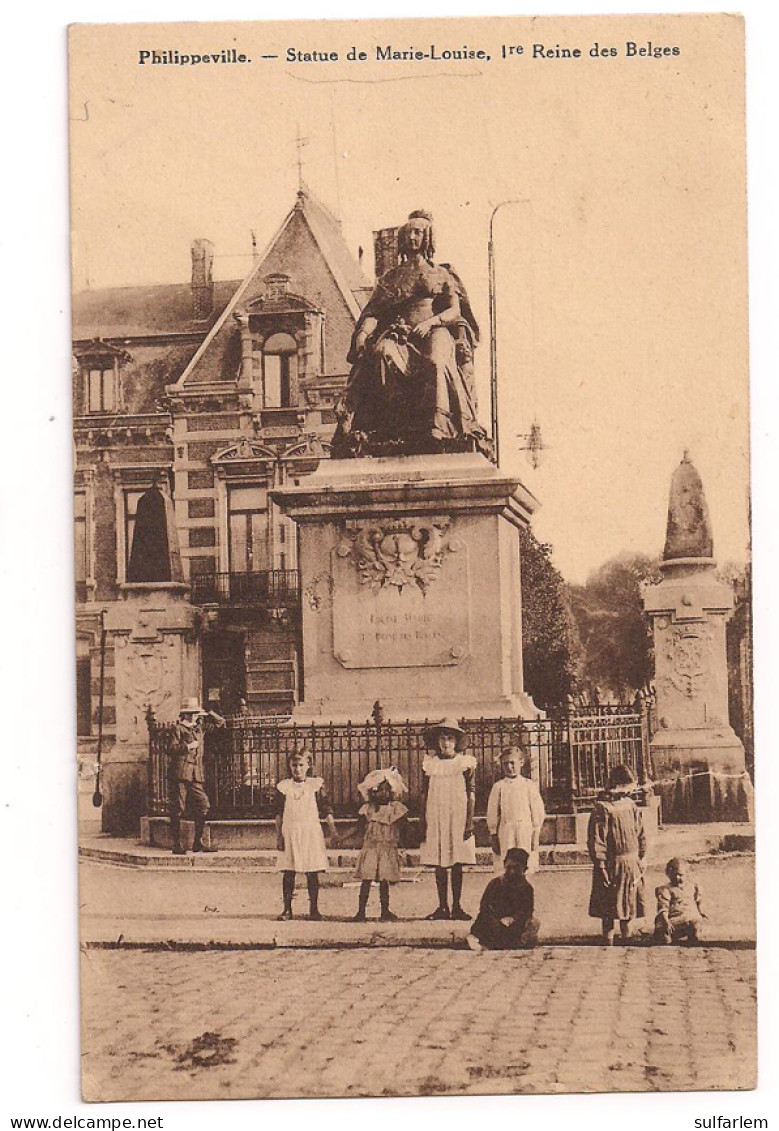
[[493, 335]]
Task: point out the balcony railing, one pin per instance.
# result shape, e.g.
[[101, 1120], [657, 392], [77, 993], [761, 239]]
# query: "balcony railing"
[[267, 589]]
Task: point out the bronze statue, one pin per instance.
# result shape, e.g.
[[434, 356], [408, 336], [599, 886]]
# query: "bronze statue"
[[410, 389]]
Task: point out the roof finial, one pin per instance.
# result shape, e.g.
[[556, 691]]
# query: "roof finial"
[[300, 142]]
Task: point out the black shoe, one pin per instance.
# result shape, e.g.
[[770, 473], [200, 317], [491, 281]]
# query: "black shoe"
[[360, 917], [388, 916], [461, 914], [439, 913], [314, 914], [178, 850], [285, 915]]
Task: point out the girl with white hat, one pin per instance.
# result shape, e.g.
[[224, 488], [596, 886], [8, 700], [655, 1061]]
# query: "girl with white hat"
[[383, 815], [448, 801]]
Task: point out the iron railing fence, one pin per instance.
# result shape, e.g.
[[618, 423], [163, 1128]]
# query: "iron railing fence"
[[569, 754], [160, 738], [269, 589], [595, 739]]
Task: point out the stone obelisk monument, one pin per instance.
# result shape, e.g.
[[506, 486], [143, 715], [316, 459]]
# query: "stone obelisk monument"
[[697, 755]]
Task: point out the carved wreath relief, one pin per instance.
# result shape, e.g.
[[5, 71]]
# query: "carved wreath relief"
[[147, 677], [689, 656], [398, 552]]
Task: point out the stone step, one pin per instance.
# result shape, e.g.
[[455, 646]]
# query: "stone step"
[[561, 832], [115, 851]]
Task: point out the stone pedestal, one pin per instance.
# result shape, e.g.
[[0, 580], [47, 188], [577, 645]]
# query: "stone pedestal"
[[696, 753], [155, 634], [410, 583]]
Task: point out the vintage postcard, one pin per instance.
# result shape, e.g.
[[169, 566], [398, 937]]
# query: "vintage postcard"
[[413, 584]]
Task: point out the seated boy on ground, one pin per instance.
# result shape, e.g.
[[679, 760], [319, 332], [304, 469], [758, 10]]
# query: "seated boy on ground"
[[505, 920]]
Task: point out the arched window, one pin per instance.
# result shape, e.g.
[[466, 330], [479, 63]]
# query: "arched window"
[[280, 370]]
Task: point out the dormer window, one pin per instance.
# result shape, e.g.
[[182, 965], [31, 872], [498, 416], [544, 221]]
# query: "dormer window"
[[280, 370], [101, 387], [99, 375]]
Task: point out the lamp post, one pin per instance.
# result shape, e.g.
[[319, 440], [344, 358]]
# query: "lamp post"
[[493, 325]]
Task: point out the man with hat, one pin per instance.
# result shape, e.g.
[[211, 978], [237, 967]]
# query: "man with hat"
[[186, 773]]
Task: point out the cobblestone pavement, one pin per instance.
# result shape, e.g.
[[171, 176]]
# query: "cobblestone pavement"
[[240, 1024]]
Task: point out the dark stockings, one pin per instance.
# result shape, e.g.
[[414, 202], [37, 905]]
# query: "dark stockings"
[[288, 889], [457, 885], [312, 880], [441, 884], [442, 887], [365, 891]]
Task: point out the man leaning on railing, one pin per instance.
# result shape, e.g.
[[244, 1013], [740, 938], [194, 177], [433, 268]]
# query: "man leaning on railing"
[[186, 776]]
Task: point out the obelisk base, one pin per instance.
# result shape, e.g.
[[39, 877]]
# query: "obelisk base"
[[701, 775], [155, 634]]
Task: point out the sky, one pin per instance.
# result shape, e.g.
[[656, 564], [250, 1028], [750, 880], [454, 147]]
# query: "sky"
[[620, 251]]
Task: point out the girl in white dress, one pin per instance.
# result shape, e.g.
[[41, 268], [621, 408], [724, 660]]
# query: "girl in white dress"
[[448, 804], [300, 806]]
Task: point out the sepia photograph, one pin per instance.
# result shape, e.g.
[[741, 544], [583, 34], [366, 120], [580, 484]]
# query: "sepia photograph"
[[413, 568]]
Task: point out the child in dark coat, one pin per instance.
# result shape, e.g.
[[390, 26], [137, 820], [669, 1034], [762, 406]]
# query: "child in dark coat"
[[506, 920], [617, 846]]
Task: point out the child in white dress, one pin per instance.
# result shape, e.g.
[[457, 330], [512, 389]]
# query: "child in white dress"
[[383, 816], [300, 806], [447, 805], [515, 811]]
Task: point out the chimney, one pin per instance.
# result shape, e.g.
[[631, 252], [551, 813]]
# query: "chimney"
[[202, 280], [385, 250]]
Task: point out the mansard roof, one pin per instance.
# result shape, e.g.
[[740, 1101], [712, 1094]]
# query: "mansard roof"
[[143, 312]]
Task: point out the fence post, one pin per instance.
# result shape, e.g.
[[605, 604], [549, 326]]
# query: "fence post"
[[642, 708], [570, 708], [151, 774], [378, 718]]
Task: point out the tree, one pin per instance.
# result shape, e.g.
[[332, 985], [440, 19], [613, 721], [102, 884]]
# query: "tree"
[[615, 635], [549, 639]]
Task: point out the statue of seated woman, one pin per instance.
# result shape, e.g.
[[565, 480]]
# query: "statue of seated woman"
[[410, 389]]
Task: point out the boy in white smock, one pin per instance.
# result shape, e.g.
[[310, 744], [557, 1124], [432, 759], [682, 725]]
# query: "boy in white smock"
[[515, 811]]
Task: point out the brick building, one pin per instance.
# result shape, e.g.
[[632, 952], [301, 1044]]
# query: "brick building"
[[226, 390]]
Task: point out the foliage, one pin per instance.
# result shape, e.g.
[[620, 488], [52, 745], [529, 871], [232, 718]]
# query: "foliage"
[[615, 635], [549, 638]]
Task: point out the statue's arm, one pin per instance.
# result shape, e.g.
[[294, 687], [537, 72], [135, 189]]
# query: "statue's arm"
[[449, 314], [365, 327]]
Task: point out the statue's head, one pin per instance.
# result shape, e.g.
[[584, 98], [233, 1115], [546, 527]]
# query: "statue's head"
[[416, 235]]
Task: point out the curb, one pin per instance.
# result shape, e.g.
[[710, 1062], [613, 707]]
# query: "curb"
[[379, 942]]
